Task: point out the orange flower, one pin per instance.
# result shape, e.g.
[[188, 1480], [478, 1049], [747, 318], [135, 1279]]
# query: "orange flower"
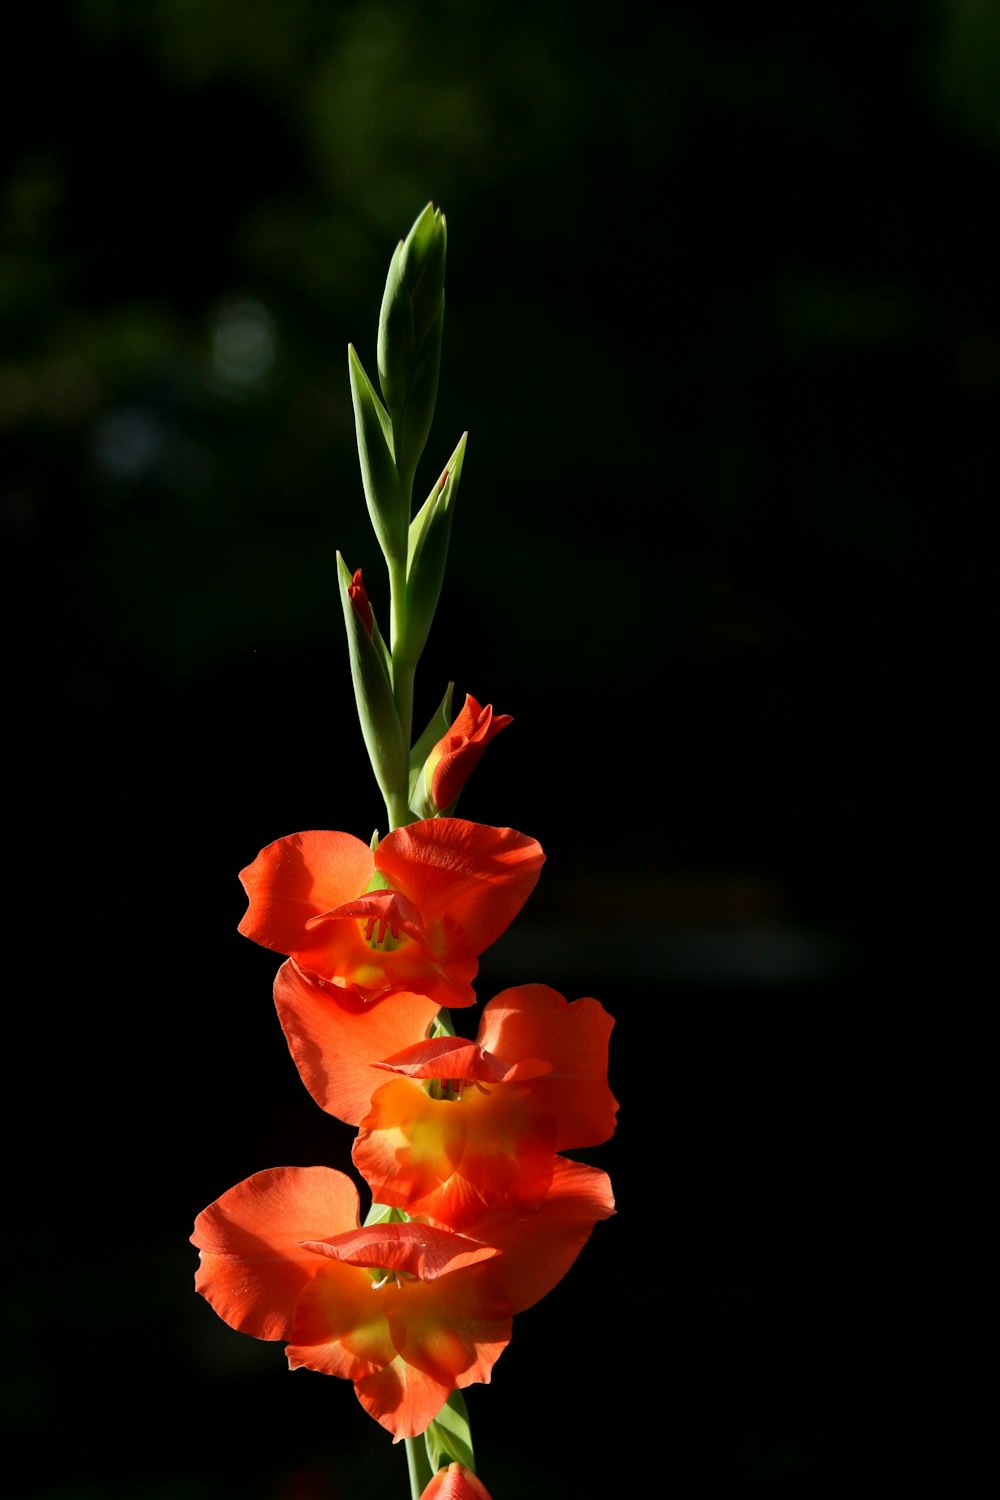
[[455, 1482], [488, 1129], [456, 755], [342, 1048], [412, 916], [407, 1311]]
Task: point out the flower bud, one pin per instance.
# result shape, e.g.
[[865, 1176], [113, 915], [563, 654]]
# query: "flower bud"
[[455, 1482], [358, 595], [409, 337], [453, 759], [437, 727]]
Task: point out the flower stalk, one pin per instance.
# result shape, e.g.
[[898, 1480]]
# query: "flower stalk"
[[474, 1211], [392, 432]]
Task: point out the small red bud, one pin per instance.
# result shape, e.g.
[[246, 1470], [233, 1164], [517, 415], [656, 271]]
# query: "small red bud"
[[358, 595], [457, 753]]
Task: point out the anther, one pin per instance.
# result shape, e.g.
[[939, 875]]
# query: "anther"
[[375, 930]]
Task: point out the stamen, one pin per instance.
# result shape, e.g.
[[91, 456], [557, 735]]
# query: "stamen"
[[378, 1285], [375, 930]]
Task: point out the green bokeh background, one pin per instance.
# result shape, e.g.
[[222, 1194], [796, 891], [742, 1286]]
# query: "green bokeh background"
[[723, 326]]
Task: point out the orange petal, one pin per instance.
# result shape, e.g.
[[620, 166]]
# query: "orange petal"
[[252, 1265], [335, 1037], [421, 1250], [532, 1021], [509, 1150], [340, 1325], [454, 1330], [387, 910], [448, 1158], [539, 1246], [407, 1347], [403, 1399], [449, 1057], [477, 875], [298, 877], [408, 1143]]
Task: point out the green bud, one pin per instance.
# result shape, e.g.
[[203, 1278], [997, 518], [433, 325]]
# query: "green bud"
[[435, 731], [411, 322], [383, 733], [427, 553], [442, 1024], [387, 505], [381, 1213]]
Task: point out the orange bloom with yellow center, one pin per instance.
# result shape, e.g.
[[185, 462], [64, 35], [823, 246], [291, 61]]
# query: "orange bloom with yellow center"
[[469, 1124], [412, 916], [530, 1036], [408, 1312]]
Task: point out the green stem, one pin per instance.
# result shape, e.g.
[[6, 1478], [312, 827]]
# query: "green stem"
[[418, 1465], [403, 669], [403, 673], [399, 812]]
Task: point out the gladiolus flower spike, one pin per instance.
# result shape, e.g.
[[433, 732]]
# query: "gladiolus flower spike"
[[474, 1212]]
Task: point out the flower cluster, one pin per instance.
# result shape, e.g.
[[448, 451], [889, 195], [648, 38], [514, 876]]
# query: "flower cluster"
[[477, 1212], [473, 1211]]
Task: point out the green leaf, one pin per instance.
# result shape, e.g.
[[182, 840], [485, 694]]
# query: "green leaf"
[[436, 729], [387, 505], [411, 425], [427, 554], [449, 1438], [380, 726]]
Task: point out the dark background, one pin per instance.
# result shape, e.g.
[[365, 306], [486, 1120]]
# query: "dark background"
[[723, 326]]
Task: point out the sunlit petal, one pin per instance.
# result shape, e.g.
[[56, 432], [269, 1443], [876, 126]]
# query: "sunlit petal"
[[402, 1398], [449, 1158], [539, 1246], [479, 876], [532, 1020], [340, 1325], [421, 1250], [252, 1264], [296, 878], [335, 1037]]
